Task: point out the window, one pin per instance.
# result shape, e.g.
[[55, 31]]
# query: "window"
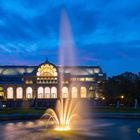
[[46, 70], [29, 82], [83, 92], [10, 93], [73, 79], [47, 92], [89, 79], [40, 93], [19, 93], [29, 92], [53, 92], [91, 88], [74, 92], [96, 70], [82, 79], [1, 91], [46, 74], [91, 93], [65, 92]]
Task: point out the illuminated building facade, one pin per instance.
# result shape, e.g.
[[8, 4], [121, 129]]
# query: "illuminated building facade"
[[42, 83]]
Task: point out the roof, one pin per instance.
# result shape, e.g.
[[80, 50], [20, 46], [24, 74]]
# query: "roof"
[[74, 70]]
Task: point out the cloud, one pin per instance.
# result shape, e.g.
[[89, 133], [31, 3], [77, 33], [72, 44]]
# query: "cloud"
[[104, 31]]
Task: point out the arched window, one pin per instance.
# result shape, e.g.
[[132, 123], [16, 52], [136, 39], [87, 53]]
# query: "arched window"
[[53, 92], [47, 70], [40, 93], [83, 92], [10, 93], [29, 93], [91, 88], [1, 92], [19, 93], [47, 92], [91, 93], [65, 92], [74, 92], [46, 73]]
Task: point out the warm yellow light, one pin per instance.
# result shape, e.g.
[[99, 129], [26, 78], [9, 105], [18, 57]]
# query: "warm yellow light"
[[103, 98], [66, 111], [62, 128], [122, 97], [46, 70]]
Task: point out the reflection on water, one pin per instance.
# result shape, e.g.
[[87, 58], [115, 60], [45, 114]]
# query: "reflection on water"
[[99, 129]]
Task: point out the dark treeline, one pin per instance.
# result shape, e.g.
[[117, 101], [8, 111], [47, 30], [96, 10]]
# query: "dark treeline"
[[124, 88]]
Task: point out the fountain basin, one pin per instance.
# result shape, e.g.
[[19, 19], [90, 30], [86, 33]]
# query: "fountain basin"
[[102, 129]]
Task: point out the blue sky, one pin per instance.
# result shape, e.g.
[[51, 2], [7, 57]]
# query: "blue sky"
[[105, 32]]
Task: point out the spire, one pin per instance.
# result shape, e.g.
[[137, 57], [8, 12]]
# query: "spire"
[[47, 60]]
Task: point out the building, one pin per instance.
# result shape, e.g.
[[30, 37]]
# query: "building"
[[48, 82]]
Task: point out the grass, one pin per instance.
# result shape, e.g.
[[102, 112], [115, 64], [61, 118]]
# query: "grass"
[[96, 110], [116, 110], [22, 111]]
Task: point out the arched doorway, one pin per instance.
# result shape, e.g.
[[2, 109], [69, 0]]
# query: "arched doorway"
[[19, 93], [10, 93], [65, 92], [83, 92], [91, 93], [74, 92], [40, 93], [1, 92], [47, 93], [29, 93], [53, 92]]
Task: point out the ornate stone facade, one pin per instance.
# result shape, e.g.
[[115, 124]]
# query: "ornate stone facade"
[[43, 82]]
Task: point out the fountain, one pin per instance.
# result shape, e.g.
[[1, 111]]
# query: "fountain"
[[66, 109], [67, 112]]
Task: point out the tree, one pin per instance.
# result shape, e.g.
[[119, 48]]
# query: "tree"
[[126, 84]]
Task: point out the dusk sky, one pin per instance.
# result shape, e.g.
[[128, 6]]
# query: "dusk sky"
[[105, 32]]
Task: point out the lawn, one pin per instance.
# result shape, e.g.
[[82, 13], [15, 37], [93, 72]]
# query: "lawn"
[[21, 111], [116, 110]]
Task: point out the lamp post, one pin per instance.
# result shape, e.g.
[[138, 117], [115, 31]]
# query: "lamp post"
[[136, 103], [118, 101], [122, 98], [118, 104]]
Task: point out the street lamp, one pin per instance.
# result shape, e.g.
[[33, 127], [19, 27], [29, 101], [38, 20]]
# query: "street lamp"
[[103, 98], [122, 97]]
